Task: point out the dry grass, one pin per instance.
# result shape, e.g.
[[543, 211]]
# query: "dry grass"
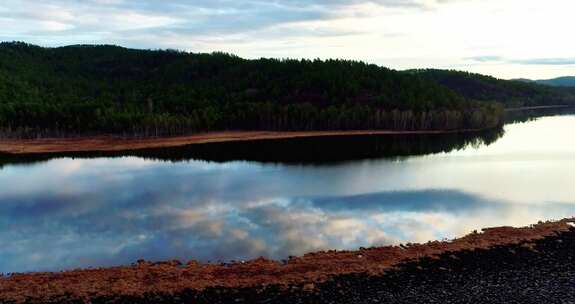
[[114, 143]]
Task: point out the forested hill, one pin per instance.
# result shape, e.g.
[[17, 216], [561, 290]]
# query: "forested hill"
[[512, 93], [567, 81], [79, 90]]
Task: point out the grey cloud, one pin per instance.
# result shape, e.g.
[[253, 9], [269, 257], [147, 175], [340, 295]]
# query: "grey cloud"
[[487, 58], [108, 21], [546, 61], [427, 200], [529, 61]]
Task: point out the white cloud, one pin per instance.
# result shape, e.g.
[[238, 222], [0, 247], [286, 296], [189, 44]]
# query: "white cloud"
[[54, 26]]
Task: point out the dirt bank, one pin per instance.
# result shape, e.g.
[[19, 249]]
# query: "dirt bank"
[[114, 143], [171, 278]]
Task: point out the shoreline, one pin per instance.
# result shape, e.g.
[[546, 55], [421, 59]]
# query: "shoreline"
[[118, 143], [110, 143], [307, 272], [537, 108]]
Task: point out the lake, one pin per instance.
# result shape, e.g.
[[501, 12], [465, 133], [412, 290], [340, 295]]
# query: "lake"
[[281, 199]]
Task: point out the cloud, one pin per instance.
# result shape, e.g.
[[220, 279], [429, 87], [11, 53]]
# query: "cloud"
[[528, 61], [425, 200], [139, 23], [487, 58], [546, 61]]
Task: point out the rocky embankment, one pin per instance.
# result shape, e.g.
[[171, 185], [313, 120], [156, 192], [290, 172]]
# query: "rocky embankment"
[[499, 265]]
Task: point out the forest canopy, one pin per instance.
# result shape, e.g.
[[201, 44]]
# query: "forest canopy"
[[104, 89], [511, 93]]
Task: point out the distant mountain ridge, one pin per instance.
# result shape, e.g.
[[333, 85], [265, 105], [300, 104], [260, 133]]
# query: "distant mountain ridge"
[[566, 81], [512, 93]]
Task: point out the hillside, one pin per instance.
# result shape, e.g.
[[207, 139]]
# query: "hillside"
[[78, 90], [512, 93], [568, 81]]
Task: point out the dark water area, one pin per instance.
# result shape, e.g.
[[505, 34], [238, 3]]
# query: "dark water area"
[[306, 151], [236, 201]]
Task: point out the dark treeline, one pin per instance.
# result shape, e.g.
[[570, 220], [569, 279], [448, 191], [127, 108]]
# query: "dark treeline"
[[512, 93], [83, 90], [318, 151]]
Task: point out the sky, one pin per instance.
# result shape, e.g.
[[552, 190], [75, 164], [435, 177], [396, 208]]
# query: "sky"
[[503, 38]]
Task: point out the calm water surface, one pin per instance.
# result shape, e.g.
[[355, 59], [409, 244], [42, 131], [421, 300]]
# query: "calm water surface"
[[67, 213]]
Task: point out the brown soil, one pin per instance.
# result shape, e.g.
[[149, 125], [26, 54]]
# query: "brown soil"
[[115, 143], [171, 277]]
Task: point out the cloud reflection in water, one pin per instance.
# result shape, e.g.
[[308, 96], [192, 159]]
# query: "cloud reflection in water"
[[68, 213]]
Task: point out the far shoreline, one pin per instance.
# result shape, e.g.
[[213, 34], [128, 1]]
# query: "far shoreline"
[[115, 143], [119, 143]]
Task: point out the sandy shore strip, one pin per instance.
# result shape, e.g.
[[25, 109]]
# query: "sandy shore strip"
[[114, 143], [173, 277]]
